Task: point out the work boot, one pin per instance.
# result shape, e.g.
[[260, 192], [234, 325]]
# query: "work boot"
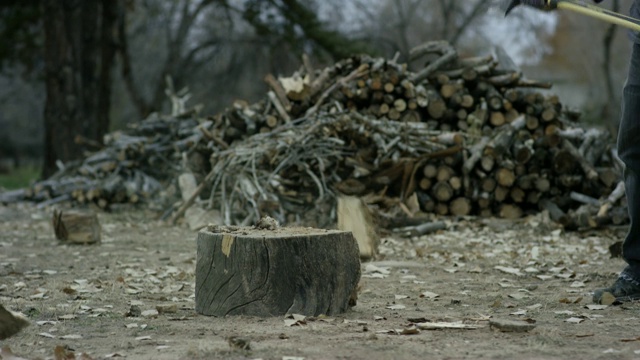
[[624, 289]]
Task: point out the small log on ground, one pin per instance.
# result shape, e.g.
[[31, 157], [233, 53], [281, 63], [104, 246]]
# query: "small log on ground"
[[273, 272], [355, 216], [76, 227]]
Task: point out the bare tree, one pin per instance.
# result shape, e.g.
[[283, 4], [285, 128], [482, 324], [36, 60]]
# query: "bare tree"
[[79, 50], [185, 42]]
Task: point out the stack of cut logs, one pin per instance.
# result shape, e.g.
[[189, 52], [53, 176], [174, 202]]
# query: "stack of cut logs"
[[458, 136]]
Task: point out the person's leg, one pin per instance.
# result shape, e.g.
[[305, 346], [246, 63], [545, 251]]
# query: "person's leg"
[[628, 284]]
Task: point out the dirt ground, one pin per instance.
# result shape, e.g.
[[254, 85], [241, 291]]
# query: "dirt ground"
[[87, 297]]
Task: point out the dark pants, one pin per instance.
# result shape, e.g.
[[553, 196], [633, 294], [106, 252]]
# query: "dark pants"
[[629, 152]]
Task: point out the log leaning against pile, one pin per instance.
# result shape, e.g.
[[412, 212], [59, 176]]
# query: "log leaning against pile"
[[460, 136]]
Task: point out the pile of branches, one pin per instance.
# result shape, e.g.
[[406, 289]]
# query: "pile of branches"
[[459, 136]]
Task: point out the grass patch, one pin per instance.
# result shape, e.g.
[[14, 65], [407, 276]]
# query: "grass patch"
[[19, 177]]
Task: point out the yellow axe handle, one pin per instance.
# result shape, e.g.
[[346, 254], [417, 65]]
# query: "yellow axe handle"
[[600, 13]]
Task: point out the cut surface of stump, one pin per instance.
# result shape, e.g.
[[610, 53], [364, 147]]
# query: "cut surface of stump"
[[264, 272]]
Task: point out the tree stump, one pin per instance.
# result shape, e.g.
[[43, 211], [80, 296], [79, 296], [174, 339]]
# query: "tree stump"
[[275, 271], [76, 227]]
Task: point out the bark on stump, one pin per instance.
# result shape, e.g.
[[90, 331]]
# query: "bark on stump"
[[273, 272]]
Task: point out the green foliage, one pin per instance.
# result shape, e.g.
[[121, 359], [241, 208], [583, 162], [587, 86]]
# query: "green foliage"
[[20, 31], [20, 177]]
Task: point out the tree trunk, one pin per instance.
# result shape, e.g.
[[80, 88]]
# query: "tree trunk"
[[79, 53]]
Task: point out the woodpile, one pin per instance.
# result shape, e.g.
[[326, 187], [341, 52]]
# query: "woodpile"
[[457, 136]]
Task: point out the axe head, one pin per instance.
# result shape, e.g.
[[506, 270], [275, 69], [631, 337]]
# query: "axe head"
[[538, 4]]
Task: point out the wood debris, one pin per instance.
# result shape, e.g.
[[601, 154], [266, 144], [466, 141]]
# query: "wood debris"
[[459, 136]]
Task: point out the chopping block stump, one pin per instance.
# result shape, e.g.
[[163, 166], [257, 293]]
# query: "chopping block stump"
[[274, 272]]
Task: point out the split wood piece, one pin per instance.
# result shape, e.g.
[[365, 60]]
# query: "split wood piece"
[[613, 197], [279, 107], [505, 177], [274, 272], [510, 211], [11, 323], [608, 175], [584, 216], [500, 194], [504, 62], [187, 204], [460, 206], [76, 227], [584, 199], [442, 191], [501, 142], [475, 154], [589, 171], [555, 213], [448, 54], [355, 74], [430, 170], [494, 99], [354, 216], [279, 91]]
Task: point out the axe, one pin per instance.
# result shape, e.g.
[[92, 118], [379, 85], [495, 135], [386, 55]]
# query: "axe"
[[582, 8]]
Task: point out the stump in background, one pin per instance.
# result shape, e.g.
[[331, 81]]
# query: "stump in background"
[[76, 226], [273, 272]]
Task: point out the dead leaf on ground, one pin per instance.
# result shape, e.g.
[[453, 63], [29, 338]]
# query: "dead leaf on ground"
[[570, 301], [236, 342], [574, 320], [114, 355], [429, 295], [295, 320], [446, 325], [63, 353], [509, 270], [518, 296]]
